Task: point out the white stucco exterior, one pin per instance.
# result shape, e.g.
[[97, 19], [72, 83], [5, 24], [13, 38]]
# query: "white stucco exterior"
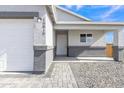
[[49, 30], [23, 43], [98, 38], [49, 40], [24, 8], [121, 38]]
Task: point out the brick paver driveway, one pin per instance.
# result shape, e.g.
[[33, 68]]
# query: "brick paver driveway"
[[60, 76]]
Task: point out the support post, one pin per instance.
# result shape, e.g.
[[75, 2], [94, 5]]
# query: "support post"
[[118, 46]]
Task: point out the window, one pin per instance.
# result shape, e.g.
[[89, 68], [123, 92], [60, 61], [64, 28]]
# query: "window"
[[85, 38], [82, 37], [89, 37]]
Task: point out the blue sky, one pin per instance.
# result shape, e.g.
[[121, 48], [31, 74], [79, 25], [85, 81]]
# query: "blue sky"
[[111, 13], [102, 13]]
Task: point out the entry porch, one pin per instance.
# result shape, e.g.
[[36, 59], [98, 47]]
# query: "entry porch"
[[87, 40]]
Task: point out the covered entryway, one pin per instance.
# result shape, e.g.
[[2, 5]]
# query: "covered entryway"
[[16, 44], [86, 39]]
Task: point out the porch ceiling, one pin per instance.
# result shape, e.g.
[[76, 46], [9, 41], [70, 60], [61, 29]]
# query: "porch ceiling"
[[89, 26]]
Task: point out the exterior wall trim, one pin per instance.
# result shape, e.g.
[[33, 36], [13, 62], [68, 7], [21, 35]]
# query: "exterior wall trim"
[[19, 14], [86, 27]]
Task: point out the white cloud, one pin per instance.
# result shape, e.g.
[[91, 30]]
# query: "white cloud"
[[100, 6], [69, 6], [106, 16], [79, 7], [76, 6], [111, 11]]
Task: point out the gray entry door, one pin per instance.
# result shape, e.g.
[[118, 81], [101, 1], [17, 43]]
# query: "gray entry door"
[[61, 45]]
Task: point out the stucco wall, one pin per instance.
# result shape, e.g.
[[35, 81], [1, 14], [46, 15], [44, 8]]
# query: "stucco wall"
[[49, 41], [43, 55], [121, 45], [39, 38], [49, 30], [98, 38], [121, 38], [94, 48]]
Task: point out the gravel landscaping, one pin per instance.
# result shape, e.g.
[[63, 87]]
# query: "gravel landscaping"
[[99, 75]]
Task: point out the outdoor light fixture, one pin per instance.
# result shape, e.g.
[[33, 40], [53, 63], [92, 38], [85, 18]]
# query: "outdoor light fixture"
[[39, 19], [40, 24]]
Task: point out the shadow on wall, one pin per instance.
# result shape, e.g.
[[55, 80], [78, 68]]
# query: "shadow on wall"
[[3, 60]]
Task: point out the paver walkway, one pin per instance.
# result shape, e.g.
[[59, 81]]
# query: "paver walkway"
[[60, 77]]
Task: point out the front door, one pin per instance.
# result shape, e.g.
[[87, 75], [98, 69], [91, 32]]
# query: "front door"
[[61, 44]]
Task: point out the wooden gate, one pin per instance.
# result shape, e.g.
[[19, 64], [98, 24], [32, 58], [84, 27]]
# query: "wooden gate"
[[109, 50]]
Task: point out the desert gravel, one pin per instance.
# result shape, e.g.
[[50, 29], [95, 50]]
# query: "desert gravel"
[[99, 75]]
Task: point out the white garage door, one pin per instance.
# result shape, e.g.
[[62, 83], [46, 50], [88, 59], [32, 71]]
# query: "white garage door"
[[16, 45]]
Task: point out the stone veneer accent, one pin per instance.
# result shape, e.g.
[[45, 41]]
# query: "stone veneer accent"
[[39, 59], [43, 56], [18, 14], [86, 51], [118, 53]]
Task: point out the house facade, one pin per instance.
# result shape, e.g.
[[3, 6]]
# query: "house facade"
[[31, 36]]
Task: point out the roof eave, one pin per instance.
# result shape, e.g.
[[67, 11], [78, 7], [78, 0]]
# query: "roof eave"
[[92, 23]]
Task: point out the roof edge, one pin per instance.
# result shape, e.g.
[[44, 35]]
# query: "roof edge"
[[92, 23]]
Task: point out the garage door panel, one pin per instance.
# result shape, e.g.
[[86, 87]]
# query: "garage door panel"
[[16, 39]]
